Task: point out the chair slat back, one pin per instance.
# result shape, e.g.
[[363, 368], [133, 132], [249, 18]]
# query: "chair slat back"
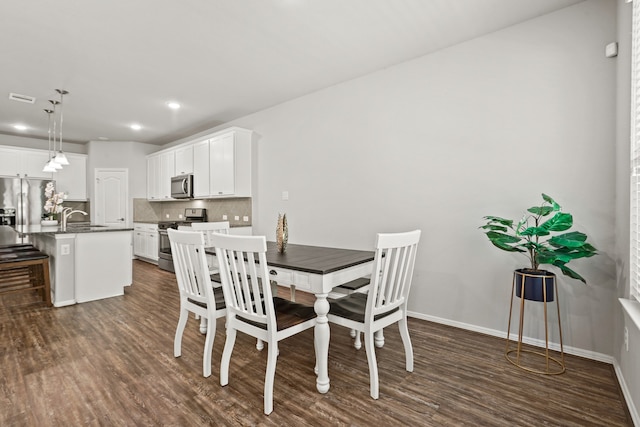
[[395, 256], [190, 264], [245, 278], [208, 228]]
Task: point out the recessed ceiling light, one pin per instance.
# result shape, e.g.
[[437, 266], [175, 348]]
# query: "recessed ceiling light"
[[20, 127], [103, 138], [136, 126], [173, 105]]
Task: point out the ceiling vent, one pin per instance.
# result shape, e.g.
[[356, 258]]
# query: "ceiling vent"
[[22, 98]]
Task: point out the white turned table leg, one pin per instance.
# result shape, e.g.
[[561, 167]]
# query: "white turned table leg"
[[203, 325], [321, 341]]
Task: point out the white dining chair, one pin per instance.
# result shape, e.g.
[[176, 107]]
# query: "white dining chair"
[[197, 294], [357, 285], [386, 301], [245, 275], [208, 228]]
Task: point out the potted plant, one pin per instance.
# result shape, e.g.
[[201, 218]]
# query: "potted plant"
[[53, 205], [534, 237]]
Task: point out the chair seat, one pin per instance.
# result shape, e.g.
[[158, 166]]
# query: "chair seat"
[[22, 255], [288, 314], [218, 294], [352, 307], [356, 284]]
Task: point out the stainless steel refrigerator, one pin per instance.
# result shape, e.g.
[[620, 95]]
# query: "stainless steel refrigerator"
[[21, 203]]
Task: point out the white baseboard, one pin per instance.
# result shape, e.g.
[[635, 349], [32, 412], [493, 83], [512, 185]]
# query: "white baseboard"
[[635, 417], [539, 343], [500, 334]]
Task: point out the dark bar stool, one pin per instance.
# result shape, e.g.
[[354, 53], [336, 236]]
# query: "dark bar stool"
[[24, 268]]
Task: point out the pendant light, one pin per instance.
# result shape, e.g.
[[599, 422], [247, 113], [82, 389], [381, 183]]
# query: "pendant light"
[[57, 166], [48, 167], [60, 158]]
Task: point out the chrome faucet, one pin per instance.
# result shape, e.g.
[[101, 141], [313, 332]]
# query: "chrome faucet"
[[66, 213]]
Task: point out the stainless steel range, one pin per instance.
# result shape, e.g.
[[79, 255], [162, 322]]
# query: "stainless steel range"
[[165, 260]]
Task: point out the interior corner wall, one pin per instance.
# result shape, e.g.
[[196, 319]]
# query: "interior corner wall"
[[40, 144], [120, 154], [627, 366], [436, 143]]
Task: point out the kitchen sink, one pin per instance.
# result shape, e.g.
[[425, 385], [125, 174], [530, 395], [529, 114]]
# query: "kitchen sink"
[[84, 227]]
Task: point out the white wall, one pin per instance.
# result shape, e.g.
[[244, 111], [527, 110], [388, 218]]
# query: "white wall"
[[627, 367], [436, 143], [120, 154]]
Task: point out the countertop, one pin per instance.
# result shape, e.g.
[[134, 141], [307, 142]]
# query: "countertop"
[[73, 228]]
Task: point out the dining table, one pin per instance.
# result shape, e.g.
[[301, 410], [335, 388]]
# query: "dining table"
[[317, 270]]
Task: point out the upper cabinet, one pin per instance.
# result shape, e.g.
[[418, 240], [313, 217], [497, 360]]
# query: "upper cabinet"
[[72, 179], [25, 163], [28, 163], [201, 169], [160, 169], [221, 165], [184, 160]]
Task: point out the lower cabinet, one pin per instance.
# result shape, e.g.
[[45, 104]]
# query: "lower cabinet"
[[145, 241]]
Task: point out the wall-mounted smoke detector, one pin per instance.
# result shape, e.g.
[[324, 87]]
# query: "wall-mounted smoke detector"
[[22, 98]]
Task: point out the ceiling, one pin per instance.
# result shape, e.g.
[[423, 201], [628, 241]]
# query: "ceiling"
[[123, 60]]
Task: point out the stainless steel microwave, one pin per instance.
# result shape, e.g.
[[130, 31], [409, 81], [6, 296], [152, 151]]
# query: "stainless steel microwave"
[[182, 187]]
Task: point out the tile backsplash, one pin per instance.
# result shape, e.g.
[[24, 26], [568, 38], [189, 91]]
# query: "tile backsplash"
[[81, 206], [146, 211]]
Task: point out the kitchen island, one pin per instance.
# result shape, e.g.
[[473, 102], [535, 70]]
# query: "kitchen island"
[[87, 262]]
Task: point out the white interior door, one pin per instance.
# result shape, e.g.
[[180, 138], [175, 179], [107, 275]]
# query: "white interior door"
[[111, 197]]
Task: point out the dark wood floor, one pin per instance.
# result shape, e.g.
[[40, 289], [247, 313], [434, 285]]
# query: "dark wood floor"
[[111, 362]]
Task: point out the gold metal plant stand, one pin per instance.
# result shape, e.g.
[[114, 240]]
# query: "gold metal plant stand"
[[557, 364]]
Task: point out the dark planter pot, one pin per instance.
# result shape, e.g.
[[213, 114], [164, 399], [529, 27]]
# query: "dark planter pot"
[[534, 280]]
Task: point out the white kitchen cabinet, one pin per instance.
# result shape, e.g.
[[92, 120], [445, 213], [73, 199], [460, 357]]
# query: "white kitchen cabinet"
[[10, 162], [72, 179], [160, 169], [184, 160], [153, 177], [145, 241], [201, 169], [32, 163], [222, 165], [25, 163], [167, 169]]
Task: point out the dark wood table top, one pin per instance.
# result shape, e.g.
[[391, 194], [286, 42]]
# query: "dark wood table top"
[[313, 259]]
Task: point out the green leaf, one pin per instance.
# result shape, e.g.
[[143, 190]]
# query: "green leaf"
[[569, 272], [504, 238], [559, 222], [569, 240], [541, 210], [499, 220], [494, 227], [506, 247], [535, 231], [548, 199]]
